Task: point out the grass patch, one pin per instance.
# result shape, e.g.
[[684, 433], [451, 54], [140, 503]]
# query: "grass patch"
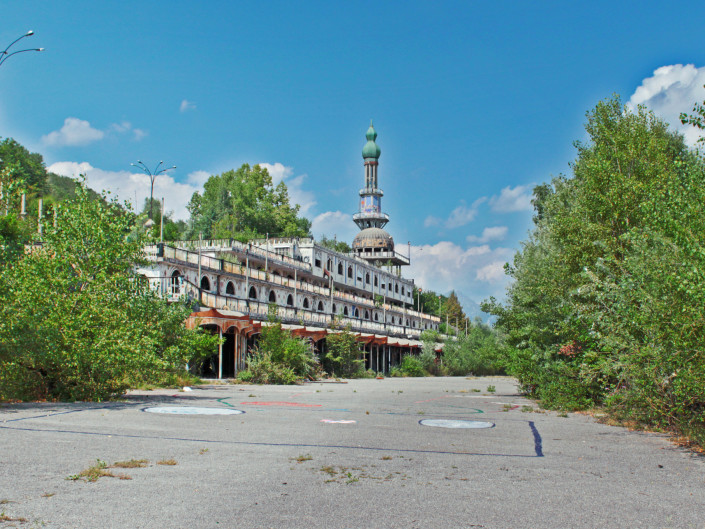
[[169, 462], [132, 463], [302, 458], [386, 458], [491, 389], [5, 518], [95, 472], [203, 451]]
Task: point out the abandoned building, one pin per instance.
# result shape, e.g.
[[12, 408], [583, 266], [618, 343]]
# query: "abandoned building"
[[236, 285]]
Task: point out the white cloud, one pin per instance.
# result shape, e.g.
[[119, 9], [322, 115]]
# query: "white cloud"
[[495, 233], [283, 173], [491, 273], [74, 132], [334, 224], [187, 105], [129, 186], [77, 132], [672, 89], [460, 216], [447, 266], [431, 221], [511, 200], [198, 178]]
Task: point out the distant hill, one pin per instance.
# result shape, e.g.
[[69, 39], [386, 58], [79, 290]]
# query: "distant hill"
[[472, 309]]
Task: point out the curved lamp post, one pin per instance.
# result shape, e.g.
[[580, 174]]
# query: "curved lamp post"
[[152, 176], [5, 55]]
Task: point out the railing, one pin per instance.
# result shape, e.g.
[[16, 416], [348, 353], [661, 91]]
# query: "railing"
[[260, 311], [213, 263], [375, 215], [237, 246]]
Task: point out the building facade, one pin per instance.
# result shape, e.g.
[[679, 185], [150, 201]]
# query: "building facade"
[[312, 289]]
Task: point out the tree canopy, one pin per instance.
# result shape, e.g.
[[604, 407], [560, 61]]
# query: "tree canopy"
[[77, 321], [604, 307], [244, 204]]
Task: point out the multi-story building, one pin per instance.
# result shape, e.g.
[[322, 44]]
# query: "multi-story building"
[[312, 288]]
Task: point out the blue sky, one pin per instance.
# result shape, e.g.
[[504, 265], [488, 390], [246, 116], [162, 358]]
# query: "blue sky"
[[474, 103]]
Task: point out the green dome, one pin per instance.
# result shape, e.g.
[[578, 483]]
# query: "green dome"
[[371, 149]]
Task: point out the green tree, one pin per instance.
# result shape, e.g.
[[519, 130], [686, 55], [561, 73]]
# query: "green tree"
[[28, 167], [77, 322], [334, 244], [344, 356], [244, 204], [583, 230]]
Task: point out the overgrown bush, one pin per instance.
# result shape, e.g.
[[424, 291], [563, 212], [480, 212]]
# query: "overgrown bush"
[[77, 322], [607, 305], [411, 367], [480, 352], [344, 356], [280, 358]]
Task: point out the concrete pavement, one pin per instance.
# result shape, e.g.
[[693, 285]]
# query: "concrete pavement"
[[345, 455]]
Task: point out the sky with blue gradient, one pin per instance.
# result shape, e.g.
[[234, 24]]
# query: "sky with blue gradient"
[[474, 103]]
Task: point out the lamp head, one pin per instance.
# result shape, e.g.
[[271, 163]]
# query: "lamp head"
[[29, 33]]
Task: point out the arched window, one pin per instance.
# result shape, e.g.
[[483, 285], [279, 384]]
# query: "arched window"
[[376, 316], [333, 309], [253, 293], [402, 290], [357, 313], [375, 280], [367, 314], [205, 284], [345, 311], [413, 324], [290, 301], [272, 297], [175, 283], [367, 278], [396, 288], [329, 264], [350, 272], [306, 305], [407, 322], [320, 306], [340, 269], [390, 286], [230, 288]]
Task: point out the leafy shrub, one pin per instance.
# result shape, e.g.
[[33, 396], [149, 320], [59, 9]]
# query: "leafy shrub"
[[77, 322], [411, 367], [280, 358], [343, 358]]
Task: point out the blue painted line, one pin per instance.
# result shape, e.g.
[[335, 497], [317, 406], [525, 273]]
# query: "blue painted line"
[[246, 443], [538, 444]]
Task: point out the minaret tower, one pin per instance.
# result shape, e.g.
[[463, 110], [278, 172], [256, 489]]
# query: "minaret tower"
[[370, 215], [373, 243]]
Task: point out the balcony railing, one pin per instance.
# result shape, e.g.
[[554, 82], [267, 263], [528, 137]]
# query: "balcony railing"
[[260, 311]]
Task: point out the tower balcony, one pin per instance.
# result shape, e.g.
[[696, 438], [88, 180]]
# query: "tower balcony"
[[371, 216], [371, 191]]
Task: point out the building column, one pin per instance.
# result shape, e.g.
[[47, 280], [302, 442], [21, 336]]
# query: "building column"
[[220, 354]]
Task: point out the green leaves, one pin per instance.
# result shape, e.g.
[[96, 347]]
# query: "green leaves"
[[244, 204], [606, 304], [77, 322]]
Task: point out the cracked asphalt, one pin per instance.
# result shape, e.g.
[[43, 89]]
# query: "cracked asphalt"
[[347, 455]]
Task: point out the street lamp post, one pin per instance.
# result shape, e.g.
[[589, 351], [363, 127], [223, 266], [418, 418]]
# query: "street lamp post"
[[152, 177], [5, 55]]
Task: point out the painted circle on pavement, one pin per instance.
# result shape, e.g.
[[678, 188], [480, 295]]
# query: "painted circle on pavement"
[[193, 410], [450, 423]]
